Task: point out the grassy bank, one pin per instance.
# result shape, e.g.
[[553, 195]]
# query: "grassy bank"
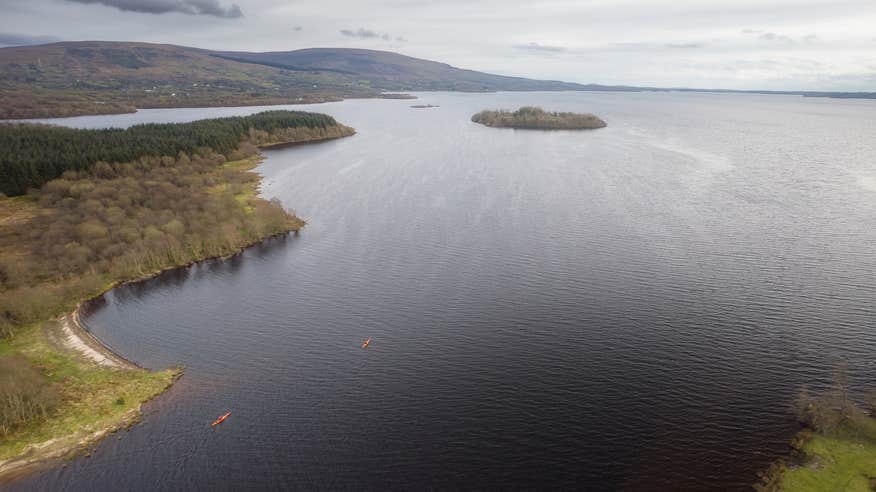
[[95, 228], [836, 450], [844, 460], [93, 399]]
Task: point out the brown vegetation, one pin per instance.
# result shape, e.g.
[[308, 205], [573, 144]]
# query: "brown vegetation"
[[828, 412], [34, 154], [26, 394], [121, 221]]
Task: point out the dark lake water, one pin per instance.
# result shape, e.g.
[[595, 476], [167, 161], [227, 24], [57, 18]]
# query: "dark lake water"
[[632, 308]]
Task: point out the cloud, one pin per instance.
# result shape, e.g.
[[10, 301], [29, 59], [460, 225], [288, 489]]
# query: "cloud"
[[542, 48], [685, 45], [362, 33], [14, 39], [781, 38], [654, 46], [297, 28], [771, 36], [190, 7]]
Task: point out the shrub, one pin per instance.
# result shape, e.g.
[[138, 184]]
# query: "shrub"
[[25, 393]]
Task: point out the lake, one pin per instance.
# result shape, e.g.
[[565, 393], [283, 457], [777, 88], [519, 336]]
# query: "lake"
[[631, 308]]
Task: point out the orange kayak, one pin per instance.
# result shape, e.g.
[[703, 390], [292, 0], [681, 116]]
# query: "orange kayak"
[[366, 343], [220, 420]]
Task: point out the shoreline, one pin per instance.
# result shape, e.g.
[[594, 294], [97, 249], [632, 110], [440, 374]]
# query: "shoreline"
[[79, 339], [75, 338], [283, 145], [49, 453], [134, 109], [46, 454], [67, 334]]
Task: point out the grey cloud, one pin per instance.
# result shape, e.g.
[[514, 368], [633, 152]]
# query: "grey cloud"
[[751, 31], [190, 7], [810, 38], [297, 28], [685, 45], [14, 39], [536, 47], [363, 33], [360, 33]]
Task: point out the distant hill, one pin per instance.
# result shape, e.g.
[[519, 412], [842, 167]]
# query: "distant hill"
[[391, 71], [97, 77], [64, 79]]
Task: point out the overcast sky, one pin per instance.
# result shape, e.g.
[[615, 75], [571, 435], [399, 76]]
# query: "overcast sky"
[[738, 44]]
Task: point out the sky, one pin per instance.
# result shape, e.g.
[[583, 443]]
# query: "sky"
[[738, 44]]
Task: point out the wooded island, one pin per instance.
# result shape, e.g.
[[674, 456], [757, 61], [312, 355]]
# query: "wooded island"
[[530, 117]]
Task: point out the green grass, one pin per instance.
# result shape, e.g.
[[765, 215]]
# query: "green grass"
[[93, 398], [842, 462]]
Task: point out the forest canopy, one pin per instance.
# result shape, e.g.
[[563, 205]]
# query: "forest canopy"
[[536, 118], [110, 222], [34, 154]]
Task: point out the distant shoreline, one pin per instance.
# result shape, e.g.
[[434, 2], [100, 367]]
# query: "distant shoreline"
[[117, 110]]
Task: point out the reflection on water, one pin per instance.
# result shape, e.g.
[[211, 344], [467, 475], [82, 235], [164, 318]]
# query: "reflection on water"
[[630, 308]]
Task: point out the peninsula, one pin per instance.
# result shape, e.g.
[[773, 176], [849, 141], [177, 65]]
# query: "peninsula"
[[88, 210], [529, 117]]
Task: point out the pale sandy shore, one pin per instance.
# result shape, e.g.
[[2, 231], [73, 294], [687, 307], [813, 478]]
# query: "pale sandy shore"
[[76, 338]]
